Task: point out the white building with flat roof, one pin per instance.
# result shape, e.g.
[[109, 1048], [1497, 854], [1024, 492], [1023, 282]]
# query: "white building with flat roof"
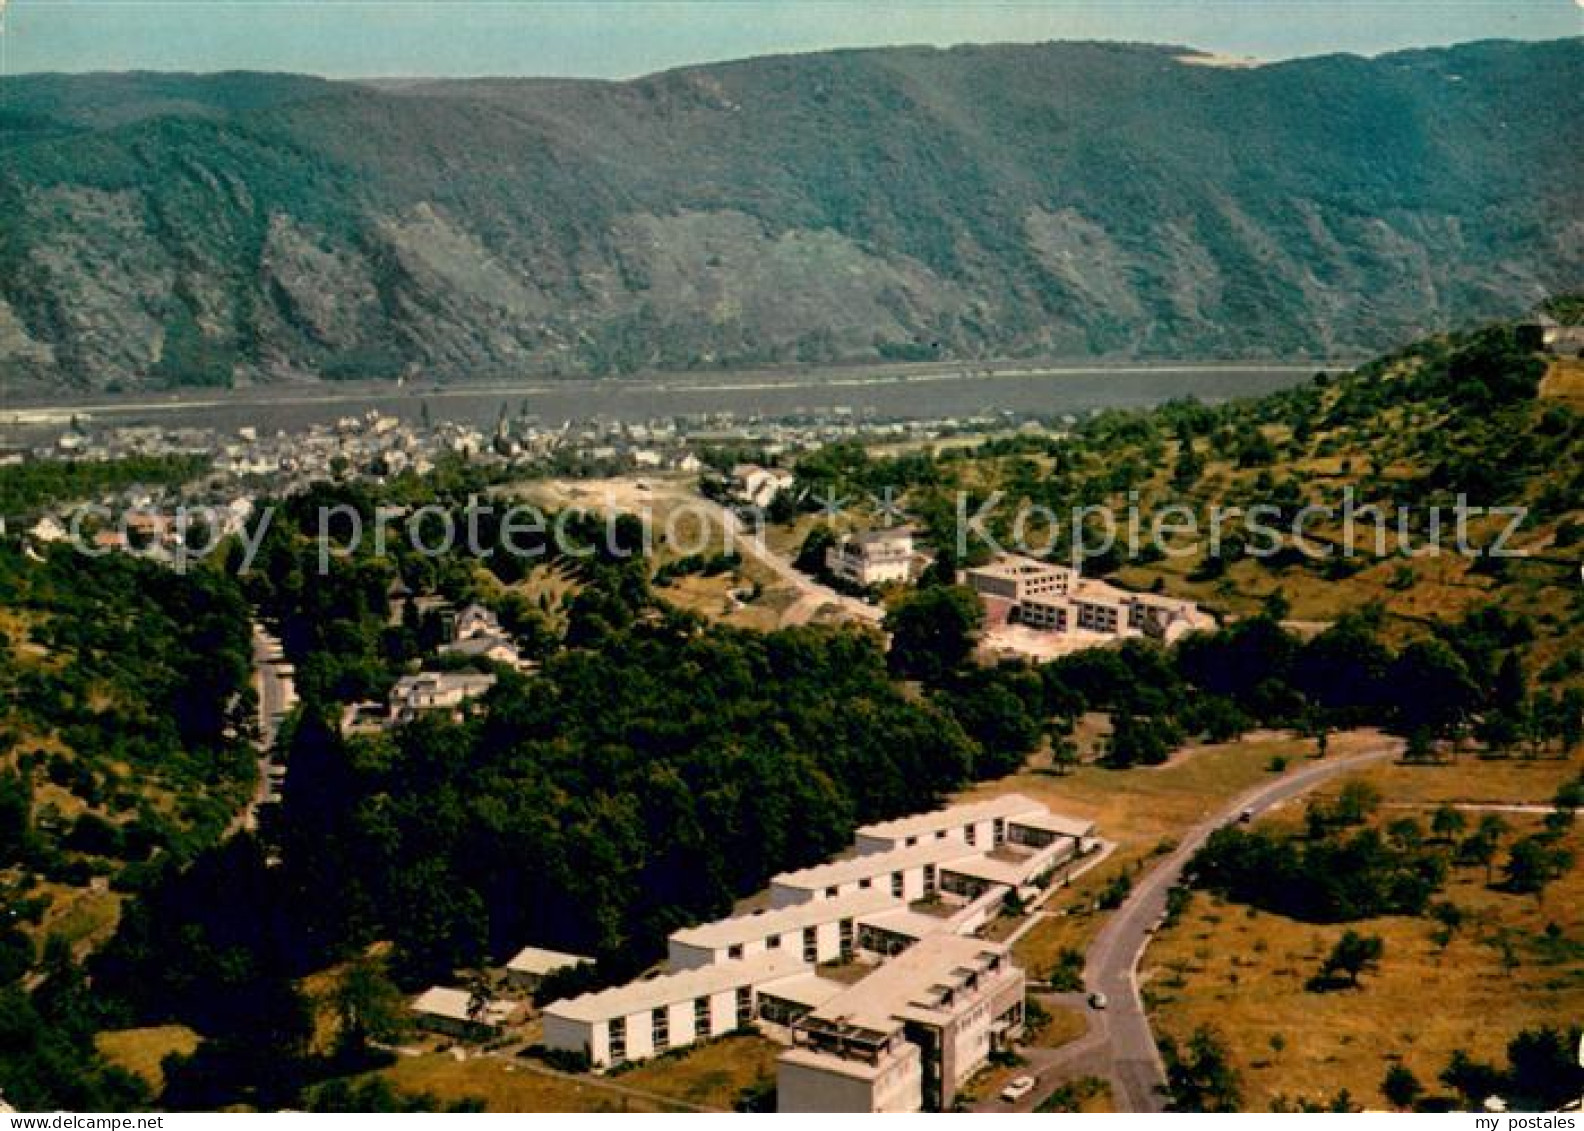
[[978, 824], [873, 558], [820, 930], [906, 873], [532, 964], [435, 691], [457, 1013], [1014, 578], [909, 884], [907, 1036], [1057, 598], [649, 1017]]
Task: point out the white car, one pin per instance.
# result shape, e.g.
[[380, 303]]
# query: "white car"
[[1098, 1000], [1017, 1089]]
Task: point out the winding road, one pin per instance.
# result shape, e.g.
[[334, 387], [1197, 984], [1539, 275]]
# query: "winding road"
[[812, 596], [1119, 1044]]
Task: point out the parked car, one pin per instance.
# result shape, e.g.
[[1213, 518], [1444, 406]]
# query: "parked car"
[[1017, 1089], [1098, 1000]]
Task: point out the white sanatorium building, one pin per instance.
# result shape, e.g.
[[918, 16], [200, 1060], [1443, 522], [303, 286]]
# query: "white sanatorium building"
[[645, 1018], [905, 902], [907, 1036], [873, 558], [1057, 599]]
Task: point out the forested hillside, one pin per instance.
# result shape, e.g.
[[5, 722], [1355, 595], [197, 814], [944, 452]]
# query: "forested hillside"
[[1071, 199], [124, 713]]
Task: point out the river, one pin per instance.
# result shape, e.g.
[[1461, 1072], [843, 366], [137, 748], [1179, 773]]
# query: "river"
[[885, 393]]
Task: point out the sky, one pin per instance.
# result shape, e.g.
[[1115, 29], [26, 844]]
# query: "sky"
[[624, 38]]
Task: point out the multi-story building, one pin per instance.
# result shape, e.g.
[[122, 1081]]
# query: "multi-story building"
[[977, 824], [904, 873], [649, 1017], [435, 691], [1056, 598], [932, 1006], [1099, 610], [874, 558], [907, 1036], [821, 930], [1015, 579]]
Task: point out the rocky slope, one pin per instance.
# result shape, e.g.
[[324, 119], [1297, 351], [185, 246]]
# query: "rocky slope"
[[1072, 199]]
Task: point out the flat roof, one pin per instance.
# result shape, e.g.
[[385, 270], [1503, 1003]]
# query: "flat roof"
[[1013, 566], [683, 985], [1049, 822], [1092, 593], [906, 921], [747, 928], [871, 864], [538, 960], [1006, 805], [880, 537], [806, 1057], [812, 990], [452, 1003], [1008, 872], [903, 984]]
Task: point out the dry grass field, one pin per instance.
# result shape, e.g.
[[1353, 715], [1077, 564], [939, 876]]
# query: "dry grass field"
[[1143, 810], [142, 1051], [1564, 381], [1515, 962], [712, 1076], [503, 1085]]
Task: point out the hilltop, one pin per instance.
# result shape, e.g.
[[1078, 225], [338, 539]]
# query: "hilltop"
[[1058, 199]]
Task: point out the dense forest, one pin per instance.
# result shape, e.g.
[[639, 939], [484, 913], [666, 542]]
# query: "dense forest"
[[28, 487]]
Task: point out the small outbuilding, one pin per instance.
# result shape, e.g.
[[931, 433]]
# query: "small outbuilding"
[[458, 1013], [533, 964]]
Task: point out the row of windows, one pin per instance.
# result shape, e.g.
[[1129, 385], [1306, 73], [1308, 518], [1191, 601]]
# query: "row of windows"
[[811, 934], [970, 834], [660, 1024]]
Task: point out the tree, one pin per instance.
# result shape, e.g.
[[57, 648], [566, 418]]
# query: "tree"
[[1431, 688], [1473, 1080], [1202, 1077], [1401, 1086], [1406, 833], [1478, 851], [1064, 755], [811, 555], [1139, 740], [367, 1005], [1447, 822], [1420, 748], [478, 999], [1353, 955], [1543, 1067], [933, 632], [1356, 802], [16, 818], [1511, 687], [1532, 864]]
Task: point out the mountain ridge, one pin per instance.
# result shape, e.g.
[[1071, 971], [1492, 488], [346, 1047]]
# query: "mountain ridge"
[[1091, 200]]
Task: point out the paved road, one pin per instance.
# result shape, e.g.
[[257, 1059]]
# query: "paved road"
[[1137, 1074], [275, 697], [812, 596], [1089, 1055]]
